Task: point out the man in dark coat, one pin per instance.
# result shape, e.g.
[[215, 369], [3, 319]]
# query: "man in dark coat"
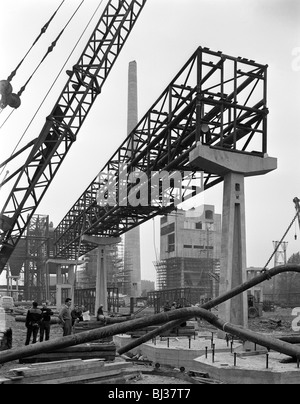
[[33, 320], [45, 323], [65, 318]]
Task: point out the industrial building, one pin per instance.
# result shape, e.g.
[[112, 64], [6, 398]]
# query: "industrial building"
[[190, 251]]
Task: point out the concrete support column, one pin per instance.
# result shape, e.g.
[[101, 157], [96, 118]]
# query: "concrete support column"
[[71, 281], [59, 282], [233, 249], [47, 279], [101, 279], [233, 167]]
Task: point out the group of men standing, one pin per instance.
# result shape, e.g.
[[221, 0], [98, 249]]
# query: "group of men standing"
[[39, 320]]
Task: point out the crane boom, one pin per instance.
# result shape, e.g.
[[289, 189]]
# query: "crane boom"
[[63, 124], [297, 205]]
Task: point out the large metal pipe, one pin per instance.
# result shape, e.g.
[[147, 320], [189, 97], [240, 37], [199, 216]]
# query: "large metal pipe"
[[152, 334], [180, 314], [266, 275], [162, 318]]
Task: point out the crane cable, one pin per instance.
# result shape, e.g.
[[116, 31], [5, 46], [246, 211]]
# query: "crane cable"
[[43, 31], [54, 82], [6, 90], [50, 49]]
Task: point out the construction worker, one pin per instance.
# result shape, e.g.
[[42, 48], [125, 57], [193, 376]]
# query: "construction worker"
[[65, 318], [45, 322], [33, 321]]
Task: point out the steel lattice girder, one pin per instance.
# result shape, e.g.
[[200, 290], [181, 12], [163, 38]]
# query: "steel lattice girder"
[[215, 99], [63, 124]]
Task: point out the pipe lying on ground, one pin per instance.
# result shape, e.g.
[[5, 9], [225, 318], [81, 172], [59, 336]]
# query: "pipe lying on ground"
[[267, 275], [163, 318], [22, 319], [152, 334]]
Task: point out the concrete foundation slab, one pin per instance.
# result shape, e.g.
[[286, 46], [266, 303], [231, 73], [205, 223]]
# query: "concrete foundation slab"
[[249, 369], [177, 352]]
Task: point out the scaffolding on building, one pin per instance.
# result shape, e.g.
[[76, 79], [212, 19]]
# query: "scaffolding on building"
[[161, 274], [195, 273], [183, 297]]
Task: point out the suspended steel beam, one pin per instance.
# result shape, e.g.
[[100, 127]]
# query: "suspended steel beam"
[[215, 99], [64, 122]]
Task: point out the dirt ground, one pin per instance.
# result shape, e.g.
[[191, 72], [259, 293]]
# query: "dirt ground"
[[266, 324], [19, 336]]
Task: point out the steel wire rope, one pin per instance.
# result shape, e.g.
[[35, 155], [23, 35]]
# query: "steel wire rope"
[[54, 82], [14, 72], [50, 49], [43, 31]]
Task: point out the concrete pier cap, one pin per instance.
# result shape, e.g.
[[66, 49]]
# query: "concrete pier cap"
[[222, 162], [233, 166]]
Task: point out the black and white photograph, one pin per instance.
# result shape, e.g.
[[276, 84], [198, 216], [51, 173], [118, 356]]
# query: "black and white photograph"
[[150, 195]]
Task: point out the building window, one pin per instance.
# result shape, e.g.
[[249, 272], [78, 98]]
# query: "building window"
[[167, 229], [199, 226], [164, 220], [171, 242], [209, 215], [187, 246], [171, 248]]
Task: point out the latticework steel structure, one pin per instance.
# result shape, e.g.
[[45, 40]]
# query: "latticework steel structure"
[[64, 122], [215, 99]]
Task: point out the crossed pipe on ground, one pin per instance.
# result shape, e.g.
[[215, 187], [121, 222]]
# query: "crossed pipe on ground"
[[169, 320]]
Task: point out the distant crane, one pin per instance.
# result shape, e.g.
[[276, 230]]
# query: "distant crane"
[[297, 205]]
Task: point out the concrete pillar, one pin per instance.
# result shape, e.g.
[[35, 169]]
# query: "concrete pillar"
[[233, 250], [233, 167], [58, 284], [71, 281], [101, 279], [101, 276]]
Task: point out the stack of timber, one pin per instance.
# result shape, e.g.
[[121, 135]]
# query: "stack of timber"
[[186, 331], [106, 352], [76, 371], [5, 339]]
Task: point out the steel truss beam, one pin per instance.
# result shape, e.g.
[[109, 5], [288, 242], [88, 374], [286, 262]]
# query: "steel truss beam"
[[215, 99], [63, 124]]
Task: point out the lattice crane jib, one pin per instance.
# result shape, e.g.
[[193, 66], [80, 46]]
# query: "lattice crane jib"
[[215, 99], [63, 124]]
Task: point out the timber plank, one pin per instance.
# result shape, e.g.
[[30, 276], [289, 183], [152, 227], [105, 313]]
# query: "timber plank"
[[58, 357], [76, 374], [4, 380], [37, 371], [86, 370]]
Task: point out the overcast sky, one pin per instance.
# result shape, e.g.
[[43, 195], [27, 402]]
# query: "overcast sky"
[[166, 35]]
